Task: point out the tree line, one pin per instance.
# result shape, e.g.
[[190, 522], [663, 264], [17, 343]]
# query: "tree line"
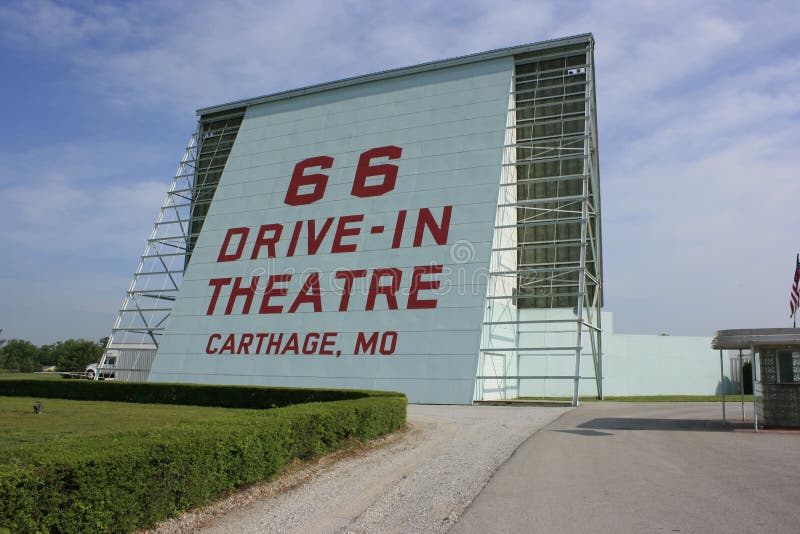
[[72, 355]]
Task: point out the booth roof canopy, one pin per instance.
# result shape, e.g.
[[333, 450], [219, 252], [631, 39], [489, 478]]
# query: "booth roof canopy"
[[745, 338]]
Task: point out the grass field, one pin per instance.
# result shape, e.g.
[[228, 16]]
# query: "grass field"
[[29, 376], [63, 420]]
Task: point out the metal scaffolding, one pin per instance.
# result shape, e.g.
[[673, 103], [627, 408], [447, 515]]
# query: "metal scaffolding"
[[143, 316], [152, 292], [544, 293], [544, 290]]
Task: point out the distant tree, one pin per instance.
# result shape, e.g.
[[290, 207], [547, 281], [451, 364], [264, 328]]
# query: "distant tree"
[[103, 342], [48, 356], [20, 355], [76, 354]]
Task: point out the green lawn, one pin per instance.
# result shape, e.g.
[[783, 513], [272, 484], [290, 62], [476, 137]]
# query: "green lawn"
[[5, 375], [66, 420]]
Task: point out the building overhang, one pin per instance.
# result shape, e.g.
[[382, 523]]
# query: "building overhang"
[[749, 337]]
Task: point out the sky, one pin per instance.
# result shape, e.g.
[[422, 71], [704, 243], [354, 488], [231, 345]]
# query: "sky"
[[699, 123]]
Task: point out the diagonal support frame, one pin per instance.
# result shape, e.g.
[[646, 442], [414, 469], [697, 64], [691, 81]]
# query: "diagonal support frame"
[[156, 281]]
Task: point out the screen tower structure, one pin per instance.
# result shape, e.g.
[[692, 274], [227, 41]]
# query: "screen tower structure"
[[542, 328], [433, 229]]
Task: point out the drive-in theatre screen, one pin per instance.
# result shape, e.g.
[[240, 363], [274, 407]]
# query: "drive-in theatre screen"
[[365, 234]]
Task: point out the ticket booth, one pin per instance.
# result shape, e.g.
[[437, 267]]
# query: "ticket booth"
[[776, 371]]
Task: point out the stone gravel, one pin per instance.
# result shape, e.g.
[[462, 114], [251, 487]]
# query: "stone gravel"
[[420, 480]]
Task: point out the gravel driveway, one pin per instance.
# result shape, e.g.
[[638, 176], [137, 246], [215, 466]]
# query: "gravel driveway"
[[420, 481]]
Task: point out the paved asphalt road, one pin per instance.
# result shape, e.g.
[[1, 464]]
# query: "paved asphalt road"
[[636, 467]]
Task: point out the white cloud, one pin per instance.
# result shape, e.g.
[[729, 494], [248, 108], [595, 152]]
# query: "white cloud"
[[69, 252], [51, 217]]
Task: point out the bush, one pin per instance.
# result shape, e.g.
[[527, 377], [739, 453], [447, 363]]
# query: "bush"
[[19, 355], [253, 397], [122, 482], [74, 354]]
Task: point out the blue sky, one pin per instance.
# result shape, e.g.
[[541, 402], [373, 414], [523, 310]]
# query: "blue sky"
[[699, 125]]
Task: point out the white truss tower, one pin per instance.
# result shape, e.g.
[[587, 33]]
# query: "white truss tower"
[[544, 291], [152, 292]]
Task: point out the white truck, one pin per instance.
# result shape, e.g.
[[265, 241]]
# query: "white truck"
[[106, 372], [126, 362]]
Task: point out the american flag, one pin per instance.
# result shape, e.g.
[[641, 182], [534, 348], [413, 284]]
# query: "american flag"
[[794, 296]]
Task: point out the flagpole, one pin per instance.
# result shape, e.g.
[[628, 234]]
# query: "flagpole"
[[794, 295]]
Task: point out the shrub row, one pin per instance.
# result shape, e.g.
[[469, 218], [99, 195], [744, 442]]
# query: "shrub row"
[[254, 397], [123, 482]]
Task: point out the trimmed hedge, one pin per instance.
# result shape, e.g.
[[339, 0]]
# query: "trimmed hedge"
[[123, 482], [254, 397]]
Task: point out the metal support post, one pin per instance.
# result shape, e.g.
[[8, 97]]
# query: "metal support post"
[[741, 380], [722, 383], [753, 374]]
